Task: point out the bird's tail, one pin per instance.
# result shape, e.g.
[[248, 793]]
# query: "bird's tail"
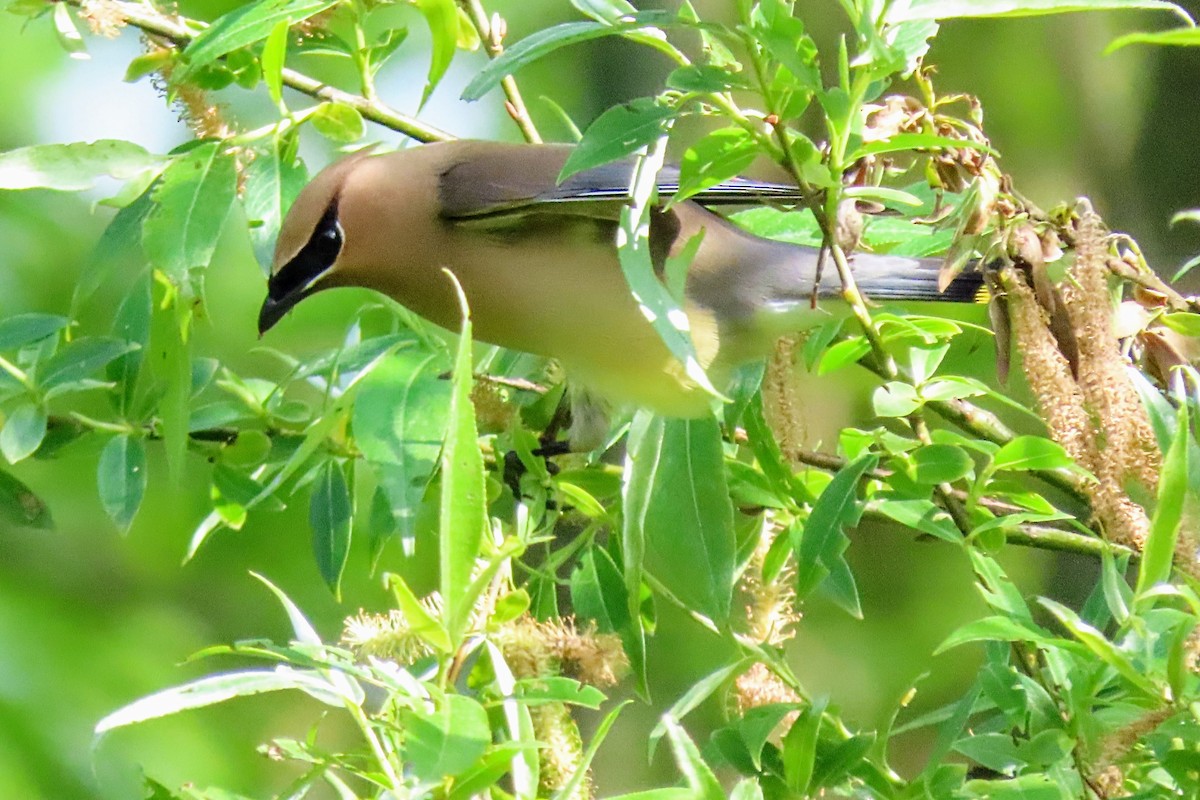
[[886, 278]]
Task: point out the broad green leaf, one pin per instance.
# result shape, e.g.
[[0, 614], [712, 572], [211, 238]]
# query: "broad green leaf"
[[1173, 36], [996, 751], [620, 131], [819, 553], [1095, 641], [191, 202], [598, 591], [81, 359], [446, 741], [217, 689], [940, 463], [399, 422], [1024, 787], [338, 122], [23, 431], [719, 156], [547, 40], [21, 329], [442, 18], [998, 629], [19, 505], [800, 748], [420, 621], [1031, 453], [921, 515], [120, 243], [274, 55], [916, 141], [463, 513], [132, 324], [246, 25], [329, 513], [895, 399], [73, 167], [949, 9], [1159, 552], [699, 776], [271, 186], [121, 479], [758, 723], [1182, 322], [677, 496]]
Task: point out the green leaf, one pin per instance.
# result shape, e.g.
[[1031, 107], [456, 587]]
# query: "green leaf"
[[19, 505], [921, 515], [654, 299], [400, 419], [1025, 787], [419, 620], [699, 776], [121, 479], [271, 184], [819, 551], [18, 331], [442, 18], [598, 591], [73, 167], [916, 141], [80, 359], [998, 629], [609, 12], [217, 689], [463, 513], [619, 132], [131, 323], [23, 432], [191, 202], [329, 513], [940, 463], [274, 55], [719, 156], [338, 122], [246, 25], [800, 749], [696, 694], [547, 40], [447, 741], [1182, 322], [1031, 453], [1159, 552], [676, 495], [949, 9], [1185, 37], [895, 399]]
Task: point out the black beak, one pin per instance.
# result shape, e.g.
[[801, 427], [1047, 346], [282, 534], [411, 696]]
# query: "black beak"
[[278, 304]]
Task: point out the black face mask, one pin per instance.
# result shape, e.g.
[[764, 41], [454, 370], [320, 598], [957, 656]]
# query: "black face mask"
[[294, 281]]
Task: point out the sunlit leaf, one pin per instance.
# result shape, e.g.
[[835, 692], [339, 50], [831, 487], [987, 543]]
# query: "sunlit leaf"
[[247, 24], [338, 122], [191, 202], [447, 740], [948, 9], [23, 431], [73, 167], [620, 131], [1159, 551]]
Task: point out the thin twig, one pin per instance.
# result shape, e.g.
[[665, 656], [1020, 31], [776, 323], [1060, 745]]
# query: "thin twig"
[[491, 33]]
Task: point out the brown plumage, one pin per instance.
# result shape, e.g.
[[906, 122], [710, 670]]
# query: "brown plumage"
[[538, 262]]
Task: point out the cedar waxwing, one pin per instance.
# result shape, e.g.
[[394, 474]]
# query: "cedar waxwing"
[[538, 263]]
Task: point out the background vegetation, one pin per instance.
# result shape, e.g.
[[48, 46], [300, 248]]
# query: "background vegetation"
[[91, 618]]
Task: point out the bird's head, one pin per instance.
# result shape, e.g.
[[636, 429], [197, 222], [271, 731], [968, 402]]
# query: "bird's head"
[[312, 242]]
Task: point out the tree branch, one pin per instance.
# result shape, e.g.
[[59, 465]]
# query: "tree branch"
[[177, 31]]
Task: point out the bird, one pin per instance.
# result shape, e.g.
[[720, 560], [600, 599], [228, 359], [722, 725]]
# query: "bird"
[[537, 260]]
